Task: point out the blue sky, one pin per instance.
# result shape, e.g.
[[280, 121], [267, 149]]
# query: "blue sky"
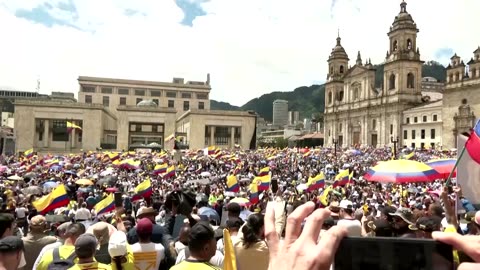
[[250, 47]]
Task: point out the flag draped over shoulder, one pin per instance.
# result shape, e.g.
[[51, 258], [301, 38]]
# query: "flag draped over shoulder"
[[106, 205], [473, 143], [229, 261], [57, 198]]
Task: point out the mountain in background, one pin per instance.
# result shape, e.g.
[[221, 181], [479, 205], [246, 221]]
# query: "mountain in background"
[[310, 100]]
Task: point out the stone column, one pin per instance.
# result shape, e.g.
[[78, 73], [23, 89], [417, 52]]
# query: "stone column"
[[46, 134], [232, 137], [212, 135], [73, 137]]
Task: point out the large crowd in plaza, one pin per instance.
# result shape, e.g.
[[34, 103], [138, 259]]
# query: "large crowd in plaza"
[[268, 208]]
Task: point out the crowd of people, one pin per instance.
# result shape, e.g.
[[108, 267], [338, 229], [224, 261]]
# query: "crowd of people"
[[177, 220]]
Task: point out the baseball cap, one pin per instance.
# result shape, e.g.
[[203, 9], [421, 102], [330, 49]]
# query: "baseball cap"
[[86, 245], [144, 226], [11, 244], [117, 246], [38, 221], [346, 204]]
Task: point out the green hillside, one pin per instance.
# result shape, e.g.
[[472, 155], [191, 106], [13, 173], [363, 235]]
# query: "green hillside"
[[311, 100]]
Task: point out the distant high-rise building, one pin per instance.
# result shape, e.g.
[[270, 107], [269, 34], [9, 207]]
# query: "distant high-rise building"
[[307, 124], [293, 117], [280, 112]]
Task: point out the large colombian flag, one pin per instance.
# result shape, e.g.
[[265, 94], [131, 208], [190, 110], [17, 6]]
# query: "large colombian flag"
[[143, 190], [57, 198], [232, 184], [106, 205]]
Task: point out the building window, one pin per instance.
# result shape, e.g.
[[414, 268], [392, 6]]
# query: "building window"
[[342, 69], [450, 78], [155, 93], [106, 101], [407, 120], [186, 95], [139, 92], [340, 127], [88, 89], [422, 134], [123, 91], [107, 90], [432, 146], [201, 105], [395, 46], [123, 101], [155, 100], [59, 131], [432, 133], [435, 119], [413, 134], [415, 119], [202, 96], [424, 118], [329, 97], [139, 100], [88, 99], [355, 93], [171, 94], [171, 104], [405, 134], [410, 81], [222, 135], [413, 145], [409, 44], [186, 105], [340, 95], [391, 82], [457, 77], [374, 124], [422, 145]]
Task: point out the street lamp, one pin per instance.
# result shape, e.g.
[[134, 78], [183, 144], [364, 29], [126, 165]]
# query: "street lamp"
[[335, 142], [394, 146]]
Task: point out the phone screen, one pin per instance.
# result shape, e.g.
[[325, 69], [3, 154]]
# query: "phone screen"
[[118, 199], [274, 185], [378, 253]]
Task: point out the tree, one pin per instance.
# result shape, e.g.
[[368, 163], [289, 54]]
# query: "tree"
[[281, 143]]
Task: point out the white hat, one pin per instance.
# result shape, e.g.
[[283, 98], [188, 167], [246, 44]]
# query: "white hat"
[[117, 245], [346, 204]]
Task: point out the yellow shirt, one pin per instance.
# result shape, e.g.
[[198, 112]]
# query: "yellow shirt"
[[194, 265], [90, 266], [126, 265], [451, 229], [47, 258]]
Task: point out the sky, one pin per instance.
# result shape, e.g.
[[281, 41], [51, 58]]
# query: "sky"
[[250, 47]]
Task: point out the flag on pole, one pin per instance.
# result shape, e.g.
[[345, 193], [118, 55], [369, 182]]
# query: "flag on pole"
[[473, 143], [229, 261]]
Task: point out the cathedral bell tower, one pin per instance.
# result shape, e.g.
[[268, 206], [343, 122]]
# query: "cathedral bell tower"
[[403, 67], [337, 68]]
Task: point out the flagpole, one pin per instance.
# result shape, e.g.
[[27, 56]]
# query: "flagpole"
[[455, 166]]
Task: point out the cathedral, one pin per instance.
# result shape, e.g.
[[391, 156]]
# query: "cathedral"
[[358, 113]]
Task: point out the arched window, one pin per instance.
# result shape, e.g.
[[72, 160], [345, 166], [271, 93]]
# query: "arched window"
[[374, 124], [457, 77], [355, 93], [410, 80], [330, 97], [474, 72], [391, 82], [409, 44], [450, 78], [341, 69], [331, 70], [477, 57], [395, 46], [340, 127], [340, 95]]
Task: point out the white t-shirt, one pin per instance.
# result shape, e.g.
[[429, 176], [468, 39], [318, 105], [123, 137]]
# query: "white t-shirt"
[[21, 212], [83, 214], [216, 260], [147, 256], [353, 226]]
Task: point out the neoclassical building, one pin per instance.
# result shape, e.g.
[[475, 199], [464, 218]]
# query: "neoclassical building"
[[358, 113]]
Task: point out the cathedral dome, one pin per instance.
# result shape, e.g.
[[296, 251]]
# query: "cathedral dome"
[[403, 20], [147, 103], [338, 51]]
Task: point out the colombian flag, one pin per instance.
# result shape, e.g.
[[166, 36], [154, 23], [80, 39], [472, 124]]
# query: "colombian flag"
[[57, 198], [473, 143], [71, 126], [230, 261], [160, 168], [143, 190], [232, 184], [106, 205], [28, 153], [323, 198], [211, 150], [316, 182], [264, 171], [170, 172], [341, 179], [264, 182], [254, 192]]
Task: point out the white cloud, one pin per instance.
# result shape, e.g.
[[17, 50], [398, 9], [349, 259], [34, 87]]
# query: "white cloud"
[[250, 47]]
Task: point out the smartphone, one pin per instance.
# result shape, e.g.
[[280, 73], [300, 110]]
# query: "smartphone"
[[118, 199], [379, 253], [274, 183]]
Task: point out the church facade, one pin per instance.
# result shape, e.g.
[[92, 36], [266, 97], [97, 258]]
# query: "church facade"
[[357, 112]]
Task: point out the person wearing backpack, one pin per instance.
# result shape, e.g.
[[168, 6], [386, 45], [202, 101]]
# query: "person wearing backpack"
[[63, 257]]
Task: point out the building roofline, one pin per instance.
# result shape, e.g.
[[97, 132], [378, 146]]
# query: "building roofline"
[[87, 79], [216, 112], [146, 109]]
